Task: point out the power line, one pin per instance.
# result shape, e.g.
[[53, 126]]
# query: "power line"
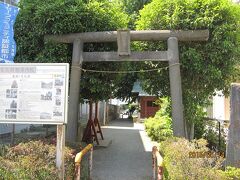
[[126, 72]]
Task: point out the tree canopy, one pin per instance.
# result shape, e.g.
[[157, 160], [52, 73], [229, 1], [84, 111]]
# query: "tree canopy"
[[43, 17], [205, 66], [132, 7]]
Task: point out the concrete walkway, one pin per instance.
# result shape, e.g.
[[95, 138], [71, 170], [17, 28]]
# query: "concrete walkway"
[[129, 155]]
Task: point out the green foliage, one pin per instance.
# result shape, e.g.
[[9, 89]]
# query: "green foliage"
[[231, 173], [3, 149], [33, 160], [132, 107], [200, 123], [205, 66], [211, 133], [159, 127], [132, 7], [124, 84], [165, 107], [46, 17], [179, 163]]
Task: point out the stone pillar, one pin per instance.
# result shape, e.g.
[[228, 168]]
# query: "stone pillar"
[[176, 88], [74, 91], [233, 143]]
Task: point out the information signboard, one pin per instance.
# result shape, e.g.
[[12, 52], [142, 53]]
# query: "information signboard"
[[34, 93]]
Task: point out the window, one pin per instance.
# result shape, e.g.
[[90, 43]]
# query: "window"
[[151, 104]]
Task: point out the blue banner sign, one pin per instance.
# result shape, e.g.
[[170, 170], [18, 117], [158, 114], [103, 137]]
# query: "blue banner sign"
[[8, 15]]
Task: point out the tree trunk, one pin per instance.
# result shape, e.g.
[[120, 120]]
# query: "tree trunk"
[[190, 131]]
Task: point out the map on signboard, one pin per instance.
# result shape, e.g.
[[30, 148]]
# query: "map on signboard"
[[33, 93]]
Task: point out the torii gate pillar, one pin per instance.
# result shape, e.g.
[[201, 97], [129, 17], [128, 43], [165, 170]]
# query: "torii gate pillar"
[[73, 109], [176, 88]]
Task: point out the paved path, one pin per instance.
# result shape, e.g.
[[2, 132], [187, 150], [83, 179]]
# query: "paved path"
[[129, 155]]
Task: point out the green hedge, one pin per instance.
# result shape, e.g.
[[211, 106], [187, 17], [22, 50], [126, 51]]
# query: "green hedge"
[[194, 161], [159, 127]]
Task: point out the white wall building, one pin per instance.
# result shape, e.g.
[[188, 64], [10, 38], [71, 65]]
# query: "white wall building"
[[220, 108]]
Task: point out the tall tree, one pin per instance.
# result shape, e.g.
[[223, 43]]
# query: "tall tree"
[[45, 17], [205, 66], [132, 7]]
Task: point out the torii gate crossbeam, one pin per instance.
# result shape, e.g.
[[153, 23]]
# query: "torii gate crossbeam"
[[123, 39]]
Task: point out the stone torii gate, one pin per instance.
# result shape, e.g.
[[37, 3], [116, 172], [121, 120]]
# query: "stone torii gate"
[[123, 38]]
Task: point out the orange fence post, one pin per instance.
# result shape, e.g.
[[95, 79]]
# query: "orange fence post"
[[78, 159], [157, 161]]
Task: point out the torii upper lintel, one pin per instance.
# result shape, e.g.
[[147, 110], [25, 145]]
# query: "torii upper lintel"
[[145, 35]]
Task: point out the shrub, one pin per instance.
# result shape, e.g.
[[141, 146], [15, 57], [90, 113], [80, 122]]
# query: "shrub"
[[132, 110], [158, 129], [33, 160], [231, 173], [180, 164], [194, 160], [211, 133], [3, 149], [160, 126]]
